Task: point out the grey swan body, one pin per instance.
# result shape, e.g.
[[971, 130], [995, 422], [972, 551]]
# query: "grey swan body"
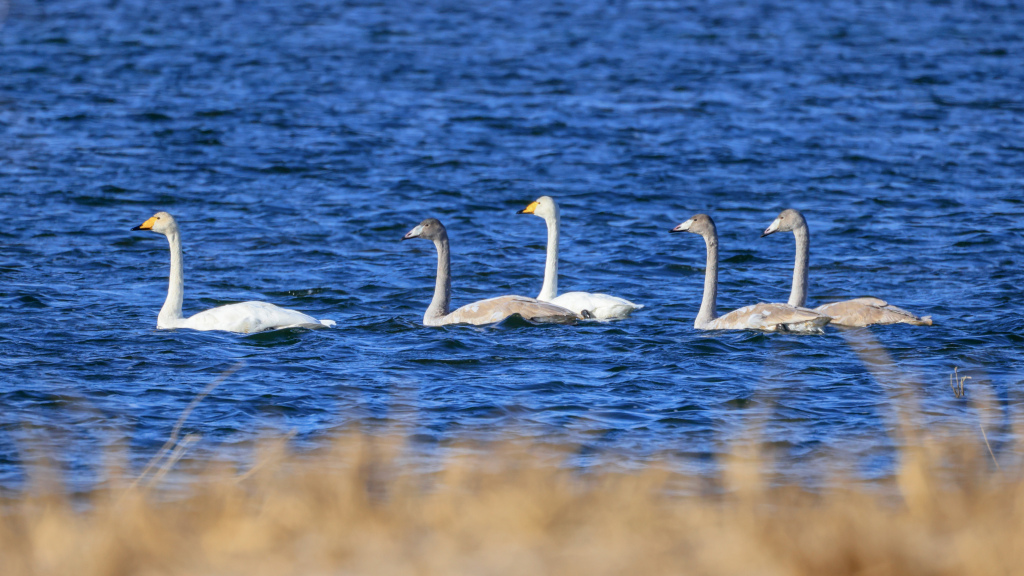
[[765, 317], [487, 311], [599, 306], [856, 312]]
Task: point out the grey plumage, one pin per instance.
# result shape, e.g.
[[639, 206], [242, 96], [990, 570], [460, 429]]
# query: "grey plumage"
[[855, 312], [766, 317], [482, 312]]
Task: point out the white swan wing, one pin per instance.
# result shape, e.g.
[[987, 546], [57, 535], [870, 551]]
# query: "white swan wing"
[[600, 306], [497, 309], [251, 317], [771, 318], [868, 311]]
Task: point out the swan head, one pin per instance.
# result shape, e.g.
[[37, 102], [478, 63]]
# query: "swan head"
[[430, 229], [161, 222], [544, 207], [788, 220], [700, 224]]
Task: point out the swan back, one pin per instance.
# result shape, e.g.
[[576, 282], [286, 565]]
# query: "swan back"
[[599, 306], [771, 318], [868, 311], [497, 309], [249, 318]]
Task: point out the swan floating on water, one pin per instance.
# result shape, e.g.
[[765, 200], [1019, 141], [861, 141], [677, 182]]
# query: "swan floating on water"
[[767, 317], [600, 306], [243, 317], [856, 312], [485, 311]]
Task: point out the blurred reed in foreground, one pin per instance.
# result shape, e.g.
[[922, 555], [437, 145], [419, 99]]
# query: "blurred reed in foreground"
[[362, 508]]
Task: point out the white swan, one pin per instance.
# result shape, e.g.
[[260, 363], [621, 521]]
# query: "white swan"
[[485, 311], [856, 312], [599, 306], [244, 317], [767, 317]]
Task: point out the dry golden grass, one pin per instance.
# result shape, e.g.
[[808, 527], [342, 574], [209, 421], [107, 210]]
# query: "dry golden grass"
[[361, 508]]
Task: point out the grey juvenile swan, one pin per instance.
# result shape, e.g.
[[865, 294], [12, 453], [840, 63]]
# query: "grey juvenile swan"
[[243, 317], [600, 306], [767, 317], [856, 312], [485, 311]]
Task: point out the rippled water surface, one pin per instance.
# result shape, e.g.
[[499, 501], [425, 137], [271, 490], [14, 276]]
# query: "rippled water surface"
[[296, 142]]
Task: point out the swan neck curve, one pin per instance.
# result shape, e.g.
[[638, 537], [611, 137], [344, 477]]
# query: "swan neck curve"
[[171, 310], [708, 303], [798, 296], [549, 289], [443, 285]]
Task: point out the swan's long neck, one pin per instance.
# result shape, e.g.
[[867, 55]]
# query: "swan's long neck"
[[171, 310], [708, 303], [549, 289], [443, 286], [798, 297]]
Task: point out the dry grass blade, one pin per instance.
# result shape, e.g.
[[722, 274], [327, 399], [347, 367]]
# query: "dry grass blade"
[[956, 383], [989, 446], [176, 455], [176, 431]]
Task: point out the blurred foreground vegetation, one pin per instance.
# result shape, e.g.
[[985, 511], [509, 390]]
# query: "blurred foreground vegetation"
[[363, 507]]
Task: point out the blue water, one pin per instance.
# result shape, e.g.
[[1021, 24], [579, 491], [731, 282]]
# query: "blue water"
[[296, 142]]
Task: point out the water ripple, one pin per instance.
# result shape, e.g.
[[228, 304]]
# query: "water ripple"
[[297, 146]]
